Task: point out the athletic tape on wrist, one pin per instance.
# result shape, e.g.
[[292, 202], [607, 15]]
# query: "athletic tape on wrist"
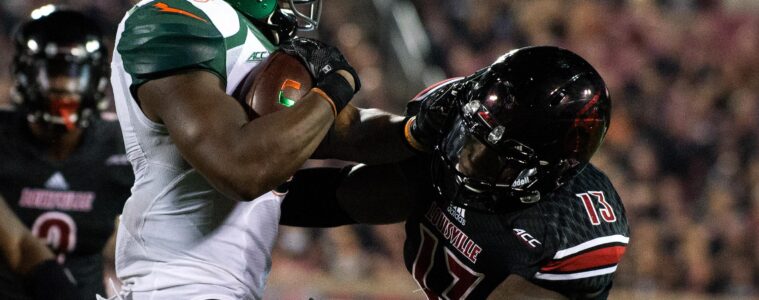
[[337, 88], [412, 142]]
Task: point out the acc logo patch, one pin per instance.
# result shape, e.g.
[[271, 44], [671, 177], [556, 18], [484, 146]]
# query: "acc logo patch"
[[258, 56]]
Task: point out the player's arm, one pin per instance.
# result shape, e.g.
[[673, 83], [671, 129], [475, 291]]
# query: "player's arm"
[[178, 69], [109, 260], [29, 257], [517, 287], [364, 135], [241, 159], [376, 194], [374, 136], [22, 250]]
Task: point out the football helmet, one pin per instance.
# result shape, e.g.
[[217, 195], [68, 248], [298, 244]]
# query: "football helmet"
[[284, 18], [60, 67], [522, 127]]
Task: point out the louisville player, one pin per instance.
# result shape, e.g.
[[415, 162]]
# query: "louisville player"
[[501, 202], [202, 219], [63, 170]]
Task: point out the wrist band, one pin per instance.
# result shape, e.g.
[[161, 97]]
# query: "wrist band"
[[338, 89], [412, 142], [326, 98]]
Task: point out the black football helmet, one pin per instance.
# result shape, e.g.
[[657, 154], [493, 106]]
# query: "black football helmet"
[[60, 68], [521, 128]]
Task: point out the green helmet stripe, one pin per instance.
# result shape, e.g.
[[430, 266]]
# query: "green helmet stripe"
[[257, 9]]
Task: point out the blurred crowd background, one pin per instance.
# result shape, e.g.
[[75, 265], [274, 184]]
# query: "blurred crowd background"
[[681, 150]]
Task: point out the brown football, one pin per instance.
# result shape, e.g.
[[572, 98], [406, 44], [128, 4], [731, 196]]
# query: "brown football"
[[275, 83]]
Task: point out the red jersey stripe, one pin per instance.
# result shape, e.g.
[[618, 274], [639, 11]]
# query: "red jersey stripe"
[[589, 260]]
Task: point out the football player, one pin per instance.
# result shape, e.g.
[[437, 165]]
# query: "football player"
[[501, 202], [202, 219], [63, 169]]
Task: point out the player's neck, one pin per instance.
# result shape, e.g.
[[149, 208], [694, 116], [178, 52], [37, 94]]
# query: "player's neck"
[[59, 145]]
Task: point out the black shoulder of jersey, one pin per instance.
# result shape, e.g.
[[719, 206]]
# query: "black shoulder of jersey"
[[595, 174], [588, 233]]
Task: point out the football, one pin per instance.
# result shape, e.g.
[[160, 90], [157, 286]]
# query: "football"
[[277, 82]]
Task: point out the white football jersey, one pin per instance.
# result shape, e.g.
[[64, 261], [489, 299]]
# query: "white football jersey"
[[179, 238]]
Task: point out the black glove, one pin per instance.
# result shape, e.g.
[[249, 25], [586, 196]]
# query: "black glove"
[[425, 129], [323, 61]]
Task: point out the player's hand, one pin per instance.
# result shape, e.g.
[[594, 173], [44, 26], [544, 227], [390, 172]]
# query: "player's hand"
[[428, 126], [323, 61]]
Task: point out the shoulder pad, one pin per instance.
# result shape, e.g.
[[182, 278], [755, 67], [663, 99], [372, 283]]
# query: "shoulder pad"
[[161, 37]]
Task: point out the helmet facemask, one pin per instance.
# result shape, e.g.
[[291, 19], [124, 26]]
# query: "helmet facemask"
[[282, 18], [60, 80], [477, 167]]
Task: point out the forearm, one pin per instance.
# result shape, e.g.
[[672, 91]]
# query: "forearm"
[[22, 250], [327, 197], [241, 158], [33, 253], [377, 194], [109, 261], [311, 199], [370, 136], [266, 151]]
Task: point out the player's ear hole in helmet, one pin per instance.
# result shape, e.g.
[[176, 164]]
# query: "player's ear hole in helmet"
[[524, 126], [61, 69], [284, 17]]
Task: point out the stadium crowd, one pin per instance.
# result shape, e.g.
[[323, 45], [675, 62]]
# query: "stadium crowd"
[[684, 80]]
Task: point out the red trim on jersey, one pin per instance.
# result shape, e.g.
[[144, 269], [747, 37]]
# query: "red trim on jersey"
[[432, 87], [589, 260]]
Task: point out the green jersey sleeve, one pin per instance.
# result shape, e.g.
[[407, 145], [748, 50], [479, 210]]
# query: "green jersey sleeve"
[[162, 37]]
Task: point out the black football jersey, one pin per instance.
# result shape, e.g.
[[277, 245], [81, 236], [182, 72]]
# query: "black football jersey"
[[11, 285], [71, 203], [569, 242]]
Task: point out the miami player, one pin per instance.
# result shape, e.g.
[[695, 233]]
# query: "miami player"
[[63, 170], [202, 219], [501, 202]]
